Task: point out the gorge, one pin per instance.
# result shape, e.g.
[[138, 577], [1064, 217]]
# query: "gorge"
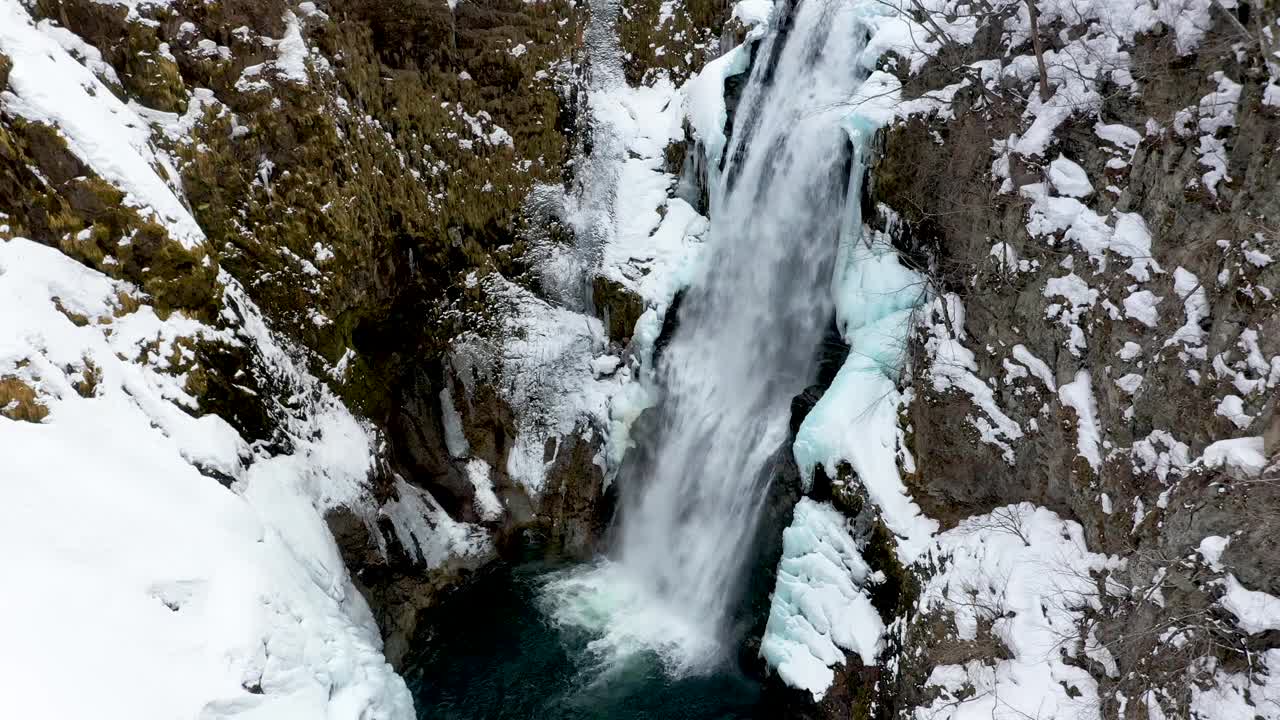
[[392, 359]]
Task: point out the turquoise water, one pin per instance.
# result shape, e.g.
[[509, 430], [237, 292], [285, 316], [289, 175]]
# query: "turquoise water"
[[491, 653]]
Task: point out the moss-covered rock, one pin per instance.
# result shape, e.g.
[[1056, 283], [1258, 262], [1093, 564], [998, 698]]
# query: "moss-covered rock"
[[89, 375], [133, 48], [676, 43], [618, 307], [19, 401], [55, 199]]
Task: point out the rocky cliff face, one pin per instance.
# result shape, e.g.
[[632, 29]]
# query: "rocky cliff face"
[[1101, 343]]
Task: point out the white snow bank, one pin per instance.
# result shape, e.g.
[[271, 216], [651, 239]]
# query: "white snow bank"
[[1069, 178], [1195, 305], [755, 14], [953, 367], [1141, 306], [1129, 238], [160, 592], [1078, 395], [1023, 572], [1244, 454], [1240, 695], [47, 85], [428, 532], [1211, 549], [819, 604], [651, 243], [480, 475], [1255, 611], [1231, 407], [704, 104], [291, 52], [290, 64], [1038, 367]]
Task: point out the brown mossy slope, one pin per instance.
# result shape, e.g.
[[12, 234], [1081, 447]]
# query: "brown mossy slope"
[[674, 38], [52, 197], [352, 207]]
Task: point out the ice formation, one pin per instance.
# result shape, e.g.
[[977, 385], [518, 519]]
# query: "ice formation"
[[819, 604]]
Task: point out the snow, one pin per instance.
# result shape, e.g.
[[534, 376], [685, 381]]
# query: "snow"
[[1129, 238], [651, 242], [1257, 258], [543, 363], [1243, 696], [1132, 239], [206, 600], [1271, 96], [755, 15], [635, 234], [87, 54], [1211, 549], [480, 475], [1255, 611], [290, 61], [876, 297], [1244, 454], [1078, 395], [1129, 383], [1129, 351], [428, 532], [1080, 297], [1037, 366], [819, 603], [1141, 306], [1214, 112], [1196, 306], [1069, 178], [953, 366], [1174, 459], [605, 365], [47, 85], [1121, 135], [1231, 407], [291, 52], [704, 104], [1023, 572]]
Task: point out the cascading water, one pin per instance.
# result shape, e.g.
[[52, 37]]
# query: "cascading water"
[[744, 347]]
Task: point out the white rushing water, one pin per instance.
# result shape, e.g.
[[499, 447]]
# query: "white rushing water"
[[745, 345]]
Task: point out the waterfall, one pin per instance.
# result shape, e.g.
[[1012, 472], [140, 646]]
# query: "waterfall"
[[743, 348]]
